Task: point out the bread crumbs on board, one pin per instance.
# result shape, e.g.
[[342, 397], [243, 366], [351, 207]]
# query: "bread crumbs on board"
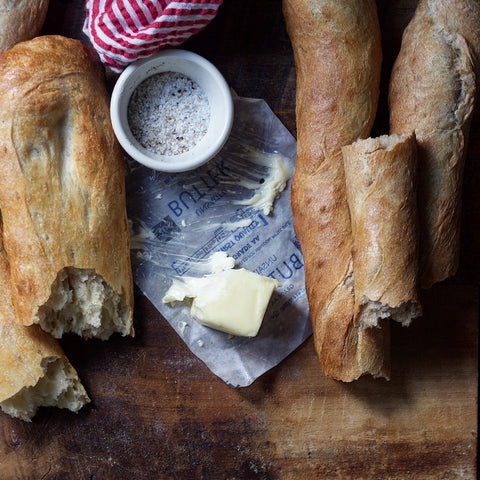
[[168, 113]]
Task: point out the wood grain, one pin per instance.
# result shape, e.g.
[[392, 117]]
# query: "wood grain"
[[159, 413]]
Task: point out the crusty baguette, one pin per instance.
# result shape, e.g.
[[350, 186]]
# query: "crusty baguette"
[[337, 50], [20, 20], [35, 372], [432, 91], [62, 192], [381, 175]]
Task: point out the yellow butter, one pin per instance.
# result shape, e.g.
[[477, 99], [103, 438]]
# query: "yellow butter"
[[233, 301]]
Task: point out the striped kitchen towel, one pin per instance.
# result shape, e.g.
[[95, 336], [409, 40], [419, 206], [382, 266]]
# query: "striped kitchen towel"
[[123, 30]]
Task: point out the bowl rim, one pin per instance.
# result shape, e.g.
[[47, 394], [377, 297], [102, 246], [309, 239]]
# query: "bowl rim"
[[126, 83]]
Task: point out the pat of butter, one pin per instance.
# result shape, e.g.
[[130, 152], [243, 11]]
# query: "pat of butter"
[[233, 301]]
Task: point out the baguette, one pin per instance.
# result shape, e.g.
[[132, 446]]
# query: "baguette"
[[62, 192], [337, 51], [381, 178], [20, 20], [432, 91], [35, 372]]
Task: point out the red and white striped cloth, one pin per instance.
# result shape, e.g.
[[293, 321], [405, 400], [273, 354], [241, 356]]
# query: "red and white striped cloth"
[[123, 30]]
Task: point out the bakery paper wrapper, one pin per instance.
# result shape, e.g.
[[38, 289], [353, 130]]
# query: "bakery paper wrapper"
[[179, 220]]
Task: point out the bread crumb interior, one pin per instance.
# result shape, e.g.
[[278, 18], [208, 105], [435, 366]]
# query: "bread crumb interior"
[[58, 387], [82, 302]]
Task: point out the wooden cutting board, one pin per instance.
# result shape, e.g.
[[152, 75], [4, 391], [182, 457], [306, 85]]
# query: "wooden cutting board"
[[159, 413]]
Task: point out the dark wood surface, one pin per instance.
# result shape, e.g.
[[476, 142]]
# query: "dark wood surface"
[[158, 413]]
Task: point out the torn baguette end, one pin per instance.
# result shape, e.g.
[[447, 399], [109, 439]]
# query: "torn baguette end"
[[383, 142], [82, 302], [371, 312], [58, 387]]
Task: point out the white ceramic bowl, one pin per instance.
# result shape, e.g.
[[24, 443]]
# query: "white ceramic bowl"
[[210, 80]]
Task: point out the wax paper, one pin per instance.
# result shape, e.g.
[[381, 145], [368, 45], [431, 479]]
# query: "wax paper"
[[179, 220]]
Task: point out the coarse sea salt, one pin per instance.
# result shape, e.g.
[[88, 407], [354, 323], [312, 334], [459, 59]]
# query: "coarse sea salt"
[[168, 113]]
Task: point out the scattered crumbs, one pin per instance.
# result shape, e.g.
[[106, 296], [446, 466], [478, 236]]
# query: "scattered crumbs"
[[168, 113], [184, 223], [159, 196], [200, 343]]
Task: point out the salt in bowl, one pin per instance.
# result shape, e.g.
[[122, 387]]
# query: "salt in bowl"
[[201, 72]]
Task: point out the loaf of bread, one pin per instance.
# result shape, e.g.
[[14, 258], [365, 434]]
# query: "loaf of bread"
[[381, 176], [337, 51], [20, 20], [35, 372], [62, 192], [432, 91]]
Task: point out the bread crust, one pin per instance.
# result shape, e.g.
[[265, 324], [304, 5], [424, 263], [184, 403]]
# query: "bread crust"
[[381, 180], [62, 189], [20, 20], [25, 352], [337, 52], [432, 91]]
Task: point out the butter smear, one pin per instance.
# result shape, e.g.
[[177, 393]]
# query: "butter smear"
[[272, 186]]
